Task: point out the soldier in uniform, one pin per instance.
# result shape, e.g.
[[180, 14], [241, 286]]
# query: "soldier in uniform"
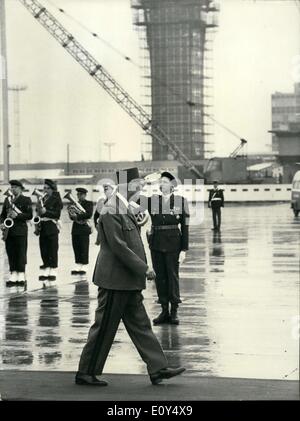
[[16, 236], [215, 202], [81, 230], [50, 213], [120, 274], [168, 244]]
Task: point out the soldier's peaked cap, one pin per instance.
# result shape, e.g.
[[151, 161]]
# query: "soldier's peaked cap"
[[16, 183], [51, 184], [170, 176], [81, 190]]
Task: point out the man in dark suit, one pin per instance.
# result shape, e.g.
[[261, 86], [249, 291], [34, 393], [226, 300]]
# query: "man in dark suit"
[[120, 273], [168, 242], [20, 211], [81, 231], [49, 211], [216, 202]]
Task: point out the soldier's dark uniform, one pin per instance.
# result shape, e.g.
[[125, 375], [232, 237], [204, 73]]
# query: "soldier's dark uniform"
[[215, 202], [16, 242], [49, 231], [81, 231], [168, 237]]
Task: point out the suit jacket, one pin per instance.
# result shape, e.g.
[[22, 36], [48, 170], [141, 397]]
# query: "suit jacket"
[[216, 194], [173, 212], [79, 228], [53, 207], [121, 263], [20, 226]]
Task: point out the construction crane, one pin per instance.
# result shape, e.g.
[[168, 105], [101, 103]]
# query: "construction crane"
[[236, 151], [108, 83]]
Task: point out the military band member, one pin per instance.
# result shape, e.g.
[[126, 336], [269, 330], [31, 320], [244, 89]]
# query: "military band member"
[[120, 274], [168, 244], [215, 202], [49, 212], [81, 231], [19, 209]]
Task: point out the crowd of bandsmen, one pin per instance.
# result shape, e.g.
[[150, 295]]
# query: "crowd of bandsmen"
[[168, 238]]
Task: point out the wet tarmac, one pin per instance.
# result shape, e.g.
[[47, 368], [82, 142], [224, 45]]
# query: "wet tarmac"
[[239, 316]]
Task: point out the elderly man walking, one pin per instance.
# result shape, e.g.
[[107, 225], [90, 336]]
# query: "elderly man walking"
[[120, 274]]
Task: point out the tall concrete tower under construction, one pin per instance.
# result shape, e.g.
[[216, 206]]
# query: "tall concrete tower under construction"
[[175, 43]]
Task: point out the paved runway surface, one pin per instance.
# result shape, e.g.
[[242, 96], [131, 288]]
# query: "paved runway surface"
[[56, 385], [240, 293]]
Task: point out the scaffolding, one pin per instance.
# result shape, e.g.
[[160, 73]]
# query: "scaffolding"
[[176, 43]]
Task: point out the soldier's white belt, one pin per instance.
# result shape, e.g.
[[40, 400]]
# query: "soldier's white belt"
[[216, 198]]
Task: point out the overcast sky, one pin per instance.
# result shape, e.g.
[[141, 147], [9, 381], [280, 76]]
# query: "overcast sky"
[[253, 52]]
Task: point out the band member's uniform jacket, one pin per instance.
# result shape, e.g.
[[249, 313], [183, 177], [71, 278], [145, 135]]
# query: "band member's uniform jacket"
[[49, 230], [168, 237], [81, 230], [16, 242], [216, 202], [120, 274]]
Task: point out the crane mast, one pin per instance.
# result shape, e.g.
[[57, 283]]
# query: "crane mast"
[[104, 79]]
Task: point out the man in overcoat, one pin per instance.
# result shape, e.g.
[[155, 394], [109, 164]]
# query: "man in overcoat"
[[120, 274]]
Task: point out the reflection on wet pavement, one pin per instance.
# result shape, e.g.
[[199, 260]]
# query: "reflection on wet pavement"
[[240, 293]]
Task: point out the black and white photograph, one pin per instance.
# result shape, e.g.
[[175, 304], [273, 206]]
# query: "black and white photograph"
[[149, 203]]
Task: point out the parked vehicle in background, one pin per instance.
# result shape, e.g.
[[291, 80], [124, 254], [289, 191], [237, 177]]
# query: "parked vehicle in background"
[[295, 199]]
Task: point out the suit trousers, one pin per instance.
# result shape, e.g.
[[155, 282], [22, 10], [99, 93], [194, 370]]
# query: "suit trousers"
[[114, 306], [81, 244], [16, 249], [49, 250], [166, 267], [216, 213]]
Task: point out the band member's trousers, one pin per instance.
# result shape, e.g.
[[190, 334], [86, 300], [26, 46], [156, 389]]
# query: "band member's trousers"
[[49, 250], [114, 306], [166, 267], [216, 213], [81, 244], [16, 249]]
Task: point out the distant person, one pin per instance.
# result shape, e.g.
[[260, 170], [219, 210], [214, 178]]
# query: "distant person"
[[216, 202], [81, 231]]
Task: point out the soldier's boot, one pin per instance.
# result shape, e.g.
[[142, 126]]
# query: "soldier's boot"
[[164, 315], [173, 316]]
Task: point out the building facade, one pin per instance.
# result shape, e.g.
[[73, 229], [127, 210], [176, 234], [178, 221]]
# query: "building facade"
[[285, 114]]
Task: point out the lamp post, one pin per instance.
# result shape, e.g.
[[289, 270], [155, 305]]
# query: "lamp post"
[[109, 145]]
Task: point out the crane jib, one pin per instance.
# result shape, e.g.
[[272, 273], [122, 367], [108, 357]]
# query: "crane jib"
[[104, 79]]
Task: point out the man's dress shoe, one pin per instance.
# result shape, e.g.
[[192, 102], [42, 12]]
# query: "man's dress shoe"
[[87, 380], [165, 373]]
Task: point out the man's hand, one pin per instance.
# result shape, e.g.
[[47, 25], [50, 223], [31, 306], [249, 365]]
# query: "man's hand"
[[43, 211], [13, 214], [182, 257], [150, 274]]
